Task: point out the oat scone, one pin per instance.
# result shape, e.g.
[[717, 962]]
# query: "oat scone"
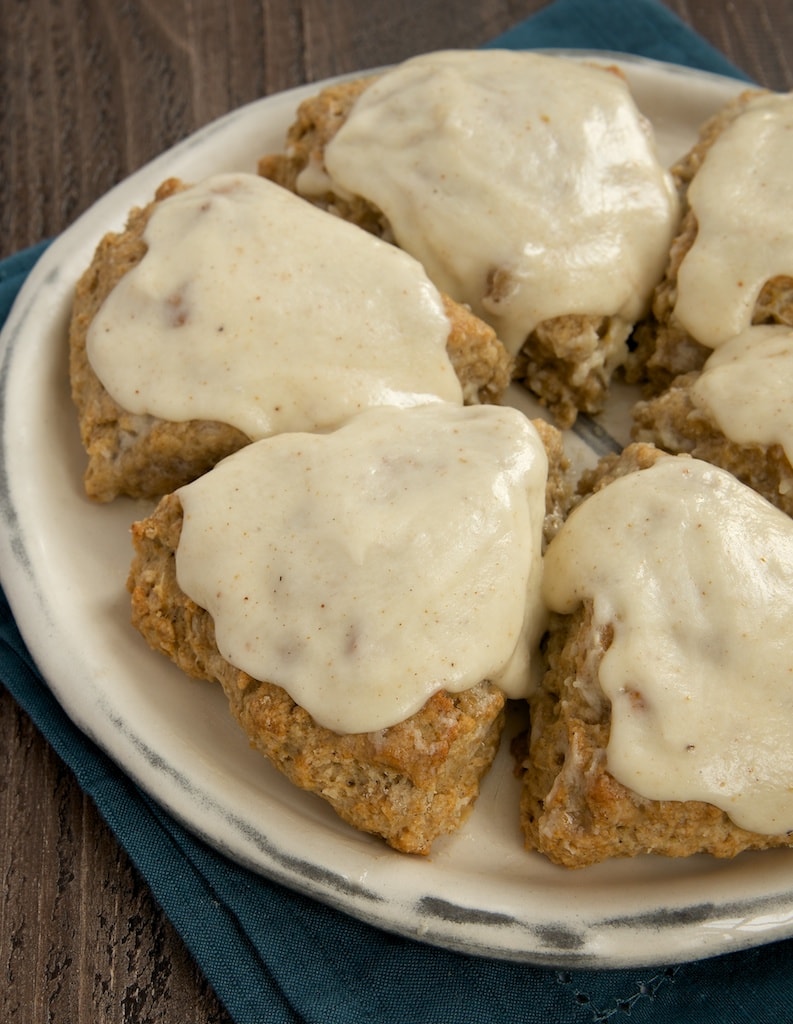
[[573, 808], [409, 782], [663, 348], [144, 454], [317, 120], [567, 350]]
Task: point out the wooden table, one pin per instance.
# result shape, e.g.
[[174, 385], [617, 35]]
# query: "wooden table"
[[91, 91]]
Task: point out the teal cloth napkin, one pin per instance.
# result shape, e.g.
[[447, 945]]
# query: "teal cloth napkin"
[[275, 956]]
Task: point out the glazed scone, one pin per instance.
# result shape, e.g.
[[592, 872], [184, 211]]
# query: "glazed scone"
[[740, 267], [388, 704], [717, 355], [665, 739], [494, 170], [229, 310]]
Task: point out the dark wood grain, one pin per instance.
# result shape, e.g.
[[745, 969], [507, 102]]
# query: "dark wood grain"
[[91, 90]]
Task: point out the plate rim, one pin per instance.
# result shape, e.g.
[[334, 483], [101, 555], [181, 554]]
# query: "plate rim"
[[691, 931]]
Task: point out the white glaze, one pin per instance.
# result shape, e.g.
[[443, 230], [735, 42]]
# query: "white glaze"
[[255, 309], [365, 569]]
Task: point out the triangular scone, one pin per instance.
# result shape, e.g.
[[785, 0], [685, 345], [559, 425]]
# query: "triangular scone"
[[228, 310], [717, 354], [415, 779], [493, 169], [616, 763], [734, 413]]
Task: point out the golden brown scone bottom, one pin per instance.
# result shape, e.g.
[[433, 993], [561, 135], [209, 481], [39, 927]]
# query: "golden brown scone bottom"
[[145, 457], [572, 810], [551, 360]]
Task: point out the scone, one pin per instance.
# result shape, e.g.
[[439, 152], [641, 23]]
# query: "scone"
[[229, 310], [735, 412], [736, 270], [717, 354], [662, 725], [505, 175], [368, 599]]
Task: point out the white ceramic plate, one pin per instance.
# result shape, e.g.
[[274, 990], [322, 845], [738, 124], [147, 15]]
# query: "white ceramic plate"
[[64, 563]]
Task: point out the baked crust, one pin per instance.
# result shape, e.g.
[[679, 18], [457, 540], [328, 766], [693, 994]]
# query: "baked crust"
[[567, 362], [317, 120], [145, 457], [572, 810]]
